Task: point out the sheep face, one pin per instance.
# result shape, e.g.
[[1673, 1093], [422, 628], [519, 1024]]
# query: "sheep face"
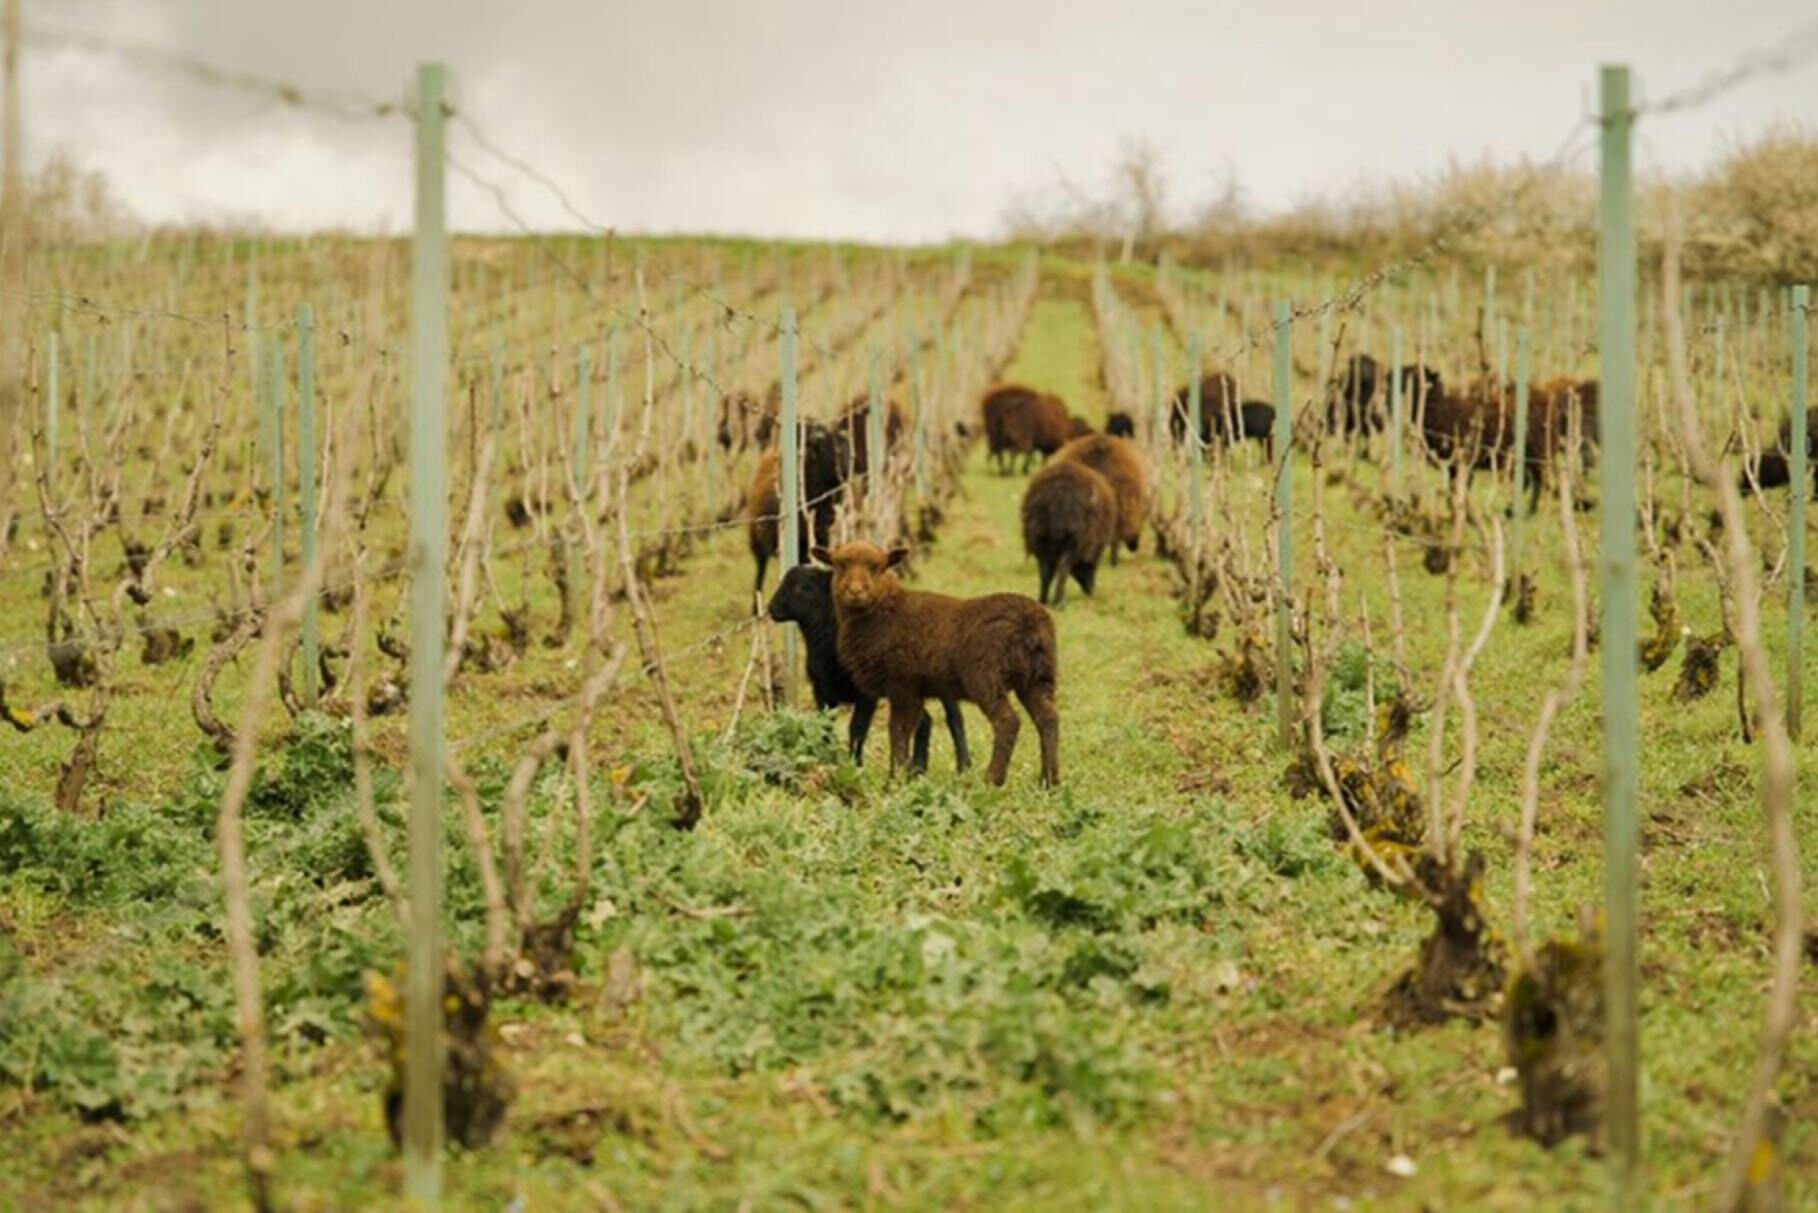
[[801, 596], [862, 576]]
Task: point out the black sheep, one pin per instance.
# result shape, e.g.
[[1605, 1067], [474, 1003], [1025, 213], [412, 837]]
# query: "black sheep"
[[804, 597]]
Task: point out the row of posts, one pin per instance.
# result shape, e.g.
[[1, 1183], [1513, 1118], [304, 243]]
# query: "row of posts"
[[1617, 303]]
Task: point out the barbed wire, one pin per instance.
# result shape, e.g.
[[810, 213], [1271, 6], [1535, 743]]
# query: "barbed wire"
[[1795, 50], [336, 103]]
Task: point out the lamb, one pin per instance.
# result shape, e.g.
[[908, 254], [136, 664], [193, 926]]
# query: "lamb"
[[908, 646], [1069, 519], [804, 597], [1021, 421], [1119, 462]]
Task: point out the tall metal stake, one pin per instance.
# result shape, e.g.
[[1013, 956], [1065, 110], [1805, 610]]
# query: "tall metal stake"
[[1521, 454], [1616, 288], [874, 450], [306, 482], [427, 559], [789, 507], [1800, 482], [1284, 521]]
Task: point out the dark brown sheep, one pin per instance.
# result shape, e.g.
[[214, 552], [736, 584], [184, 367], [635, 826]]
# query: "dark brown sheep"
[[908, 646], [1358, 401], [1069, 519], [1022, 421], [804, 597], [745, 422], [1217, 393], [821, 461], [1120, 463], [854, 429]]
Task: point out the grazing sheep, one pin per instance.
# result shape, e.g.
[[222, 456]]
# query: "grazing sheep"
[[1256, 422], [745, 422], [821, 461], [854, 428], [1217, 393], [1550, 407], [804, 597], [908, 646], [1069, 519], [1120, 425], [1354, 405], [1786, 429], [1022, 421], [1120, 463], [1774, 469]]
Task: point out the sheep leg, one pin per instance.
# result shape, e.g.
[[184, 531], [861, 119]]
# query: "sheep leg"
[[1086, 573], [1039, 703], [1063, 569], [1046, 565], [763, 562], [956, 728], [1004, 727], [860, 728], [905, 715], [918, 752]]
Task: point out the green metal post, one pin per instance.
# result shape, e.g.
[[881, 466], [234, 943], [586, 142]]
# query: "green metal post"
[[1158, 422], [1196, 429], [1284, 521], [427, 559], [790, 499], [919, 403], [498, 382], [1396, 408], [1800, 488], [274, 434], [306, 482], [1616, 290], [583, 418], [1521, 451], [713, 412], [53, 406], [874, 447], [613, 404]]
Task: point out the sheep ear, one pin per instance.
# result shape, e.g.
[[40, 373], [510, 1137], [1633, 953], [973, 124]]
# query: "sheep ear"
[[896, 557], [821, 555]]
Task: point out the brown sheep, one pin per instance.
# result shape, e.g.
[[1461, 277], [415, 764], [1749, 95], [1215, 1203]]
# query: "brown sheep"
[[1118, 461], [1021, 421], [908, 646], [1217, 395], [854, 428], [1069, 519], [804, 596], [821, 461]]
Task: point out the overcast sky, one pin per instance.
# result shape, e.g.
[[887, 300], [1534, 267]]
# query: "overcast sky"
[[844, 118]]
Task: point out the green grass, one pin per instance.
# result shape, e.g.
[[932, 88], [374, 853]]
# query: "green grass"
[[1153, 988]]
